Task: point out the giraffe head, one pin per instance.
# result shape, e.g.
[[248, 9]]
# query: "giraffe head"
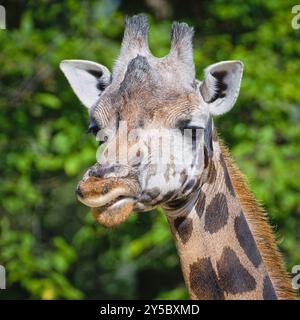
[[154, 120]]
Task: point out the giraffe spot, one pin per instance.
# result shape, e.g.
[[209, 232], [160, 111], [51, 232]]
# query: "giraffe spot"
[[138, 153], [234, 278], [212, 173], [268, 290], [216, 214], [200, 203], [168, 196], [205, 157], [246, 239], [141, 124], [204, 281], [184, 228], [178, 203], [189, 186], [226, 176]]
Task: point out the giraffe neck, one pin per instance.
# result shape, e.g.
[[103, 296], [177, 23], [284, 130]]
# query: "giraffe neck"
[[219, 256]]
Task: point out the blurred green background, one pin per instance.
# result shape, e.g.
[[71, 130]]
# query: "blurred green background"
[[49, 243]]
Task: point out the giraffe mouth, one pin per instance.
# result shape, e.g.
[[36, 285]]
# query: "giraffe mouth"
[[110, 200], [113, 212]]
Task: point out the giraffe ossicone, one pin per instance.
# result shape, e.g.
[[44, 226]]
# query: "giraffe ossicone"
[[168, 154]]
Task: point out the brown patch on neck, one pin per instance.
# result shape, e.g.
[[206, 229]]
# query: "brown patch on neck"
[[217, 213], [234, 278], [261, 230], [184, 227], [204, 281], [212, 172], [200, 205]]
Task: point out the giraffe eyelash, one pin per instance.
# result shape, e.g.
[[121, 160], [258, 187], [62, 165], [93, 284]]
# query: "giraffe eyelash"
[[93, 128], [194, 128]]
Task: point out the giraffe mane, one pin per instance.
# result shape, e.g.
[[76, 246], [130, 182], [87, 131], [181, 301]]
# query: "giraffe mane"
[[258, 222]]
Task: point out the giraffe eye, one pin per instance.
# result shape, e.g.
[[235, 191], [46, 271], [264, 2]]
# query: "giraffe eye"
[[194, 127], [93, 128], [183, 124]]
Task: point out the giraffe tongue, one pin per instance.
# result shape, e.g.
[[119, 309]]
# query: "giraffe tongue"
[[114, 214]]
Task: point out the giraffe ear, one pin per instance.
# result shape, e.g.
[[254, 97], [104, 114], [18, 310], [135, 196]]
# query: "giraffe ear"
[[88, 79], [221, 85]]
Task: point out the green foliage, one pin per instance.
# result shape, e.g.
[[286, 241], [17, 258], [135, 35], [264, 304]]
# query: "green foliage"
[[50, 245]]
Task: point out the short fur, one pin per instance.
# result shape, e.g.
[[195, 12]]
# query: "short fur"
[[258, 223]]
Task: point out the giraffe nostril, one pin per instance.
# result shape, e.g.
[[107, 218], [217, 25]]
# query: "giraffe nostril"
[[94, 173], [96, 170], [79, 192]]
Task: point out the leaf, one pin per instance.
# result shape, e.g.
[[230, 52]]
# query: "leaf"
[[48, 100]]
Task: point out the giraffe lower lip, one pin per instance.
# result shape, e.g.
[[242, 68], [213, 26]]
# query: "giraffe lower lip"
[[114, 213]]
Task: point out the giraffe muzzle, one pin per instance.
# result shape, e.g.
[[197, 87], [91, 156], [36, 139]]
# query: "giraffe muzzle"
[[111, 199]]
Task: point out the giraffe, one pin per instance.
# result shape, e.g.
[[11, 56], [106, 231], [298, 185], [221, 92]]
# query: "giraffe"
[[225, 244]]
